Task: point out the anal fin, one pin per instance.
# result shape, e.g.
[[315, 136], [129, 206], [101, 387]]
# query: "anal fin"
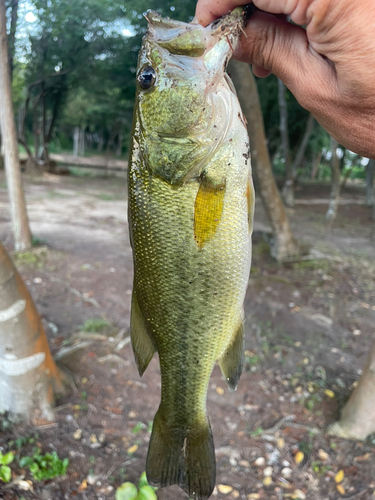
[[143, 347], [232, 360]]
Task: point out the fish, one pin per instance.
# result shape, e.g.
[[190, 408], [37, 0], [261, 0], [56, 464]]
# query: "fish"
[[190, 208]]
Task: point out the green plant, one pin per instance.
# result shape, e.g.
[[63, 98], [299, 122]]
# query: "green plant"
[[129, 491], [138, 427], [257, 432], [95, 325], [5, 472], [37, 242], [319, 468], [45, 466]]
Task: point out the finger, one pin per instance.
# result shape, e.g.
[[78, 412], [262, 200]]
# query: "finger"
[[296, 9], [283, 49], [260, 72], [209, 10]]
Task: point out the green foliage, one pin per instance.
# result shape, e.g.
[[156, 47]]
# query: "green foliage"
[[129, 491], [138, 428], [95, 325], [257, 432], [319, 468], [5, 472], [46, 466]]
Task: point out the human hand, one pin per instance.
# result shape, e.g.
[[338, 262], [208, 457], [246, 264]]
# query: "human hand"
[[329, 67]]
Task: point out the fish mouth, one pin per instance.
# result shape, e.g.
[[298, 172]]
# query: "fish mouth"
[[192, 39]]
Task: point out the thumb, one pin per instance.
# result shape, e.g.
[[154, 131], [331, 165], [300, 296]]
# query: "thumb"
[[274, 45]]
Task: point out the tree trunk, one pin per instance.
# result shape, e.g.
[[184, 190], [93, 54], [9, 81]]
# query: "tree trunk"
[[370, 183], [284, 245], [346, 177], [81, 142], [119, 144], [303, 145], [288, 189], [12, 35], [315, 165], [101, 141], [29, 377], [45, 152], [1, 152], [75, 141], [335, 180], [22, 234], [358, 416]]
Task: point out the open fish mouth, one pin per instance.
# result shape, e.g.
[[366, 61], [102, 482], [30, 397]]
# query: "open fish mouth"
[[193, 39]]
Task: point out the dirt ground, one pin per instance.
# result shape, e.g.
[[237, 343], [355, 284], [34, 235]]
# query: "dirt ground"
[[309, 326]]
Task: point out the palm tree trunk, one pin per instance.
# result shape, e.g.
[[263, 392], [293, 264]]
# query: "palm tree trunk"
[[29, 377]]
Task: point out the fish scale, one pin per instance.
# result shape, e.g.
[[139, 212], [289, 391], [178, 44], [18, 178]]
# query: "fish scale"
[[190, 214]]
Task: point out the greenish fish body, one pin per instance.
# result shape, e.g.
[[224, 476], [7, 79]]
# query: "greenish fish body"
[[191, 207]]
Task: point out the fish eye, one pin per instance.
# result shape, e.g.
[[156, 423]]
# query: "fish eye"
[[146, 77]]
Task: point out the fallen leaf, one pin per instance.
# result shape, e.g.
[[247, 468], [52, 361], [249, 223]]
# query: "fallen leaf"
[[299, 457], [220, 390], [323, 455], [132, 449], [244, 463], [267, 481], [329, 393], [281, 443], [362, 458], [253, 496], [235, 493], [340, 489], [83, 485], [339, 476], [225, 489], [298, 495]]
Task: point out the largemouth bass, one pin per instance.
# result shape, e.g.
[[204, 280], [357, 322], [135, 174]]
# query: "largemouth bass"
[[191, 206]]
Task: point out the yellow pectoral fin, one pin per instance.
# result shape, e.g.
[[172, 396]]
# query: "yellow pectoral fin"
[[142, 344], [208, 209]]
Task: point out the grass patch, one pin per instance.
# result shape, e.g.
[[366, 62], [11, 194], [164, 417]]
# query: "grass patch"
[[95, 325], [81, 172], [109, 197], [323, 264]]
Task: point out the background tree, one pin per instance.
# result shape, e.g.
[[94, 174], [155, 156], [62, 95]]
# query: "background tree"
[[284, 243], [370, 183], [358, 415], [29, 377], [21, 230], [288, 189], [335, 182]]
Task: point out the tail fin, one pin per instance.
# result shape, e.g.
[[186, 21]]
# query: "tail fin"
[[182, 456]]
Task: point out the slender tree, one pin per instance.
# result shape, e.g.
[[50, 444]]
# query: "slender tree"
[[288, 189], [303, 145], [370, 183], [29, 377], [284, 243], [12, 34], [358, 415], [335, 182], [22, 234]]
